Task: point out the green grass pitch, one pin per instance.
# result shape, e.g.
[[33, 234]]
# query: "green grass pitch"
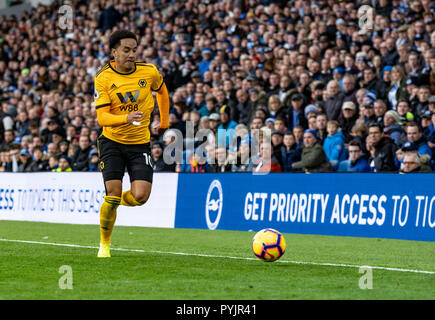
[[190, 264]]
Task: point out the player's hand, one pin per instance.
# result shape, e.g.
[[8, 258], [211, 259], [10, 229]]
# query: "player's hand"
[[134, 116]]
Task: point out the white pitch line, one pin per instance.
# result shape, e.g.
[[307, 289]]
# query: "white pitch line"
[[224, 257]]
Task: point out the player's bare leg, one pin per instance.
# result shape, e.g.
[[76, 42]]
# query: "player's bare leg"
[[108, 215]]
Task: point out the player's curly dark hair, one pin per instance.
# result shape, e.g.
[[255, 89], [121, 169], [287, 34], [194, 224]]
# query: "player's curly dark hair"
[[117, 36]]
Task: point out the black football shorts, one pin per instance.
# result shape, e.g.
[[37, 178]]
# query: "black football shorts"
[[116, 157]]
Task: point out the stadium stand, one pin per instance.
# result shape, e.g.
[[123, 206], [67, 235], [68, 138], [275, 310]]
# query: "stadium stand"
[[228, 64]]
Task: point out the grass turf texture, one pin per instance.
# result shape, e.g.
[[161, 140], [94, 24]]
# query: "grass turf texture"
[[31, 271]]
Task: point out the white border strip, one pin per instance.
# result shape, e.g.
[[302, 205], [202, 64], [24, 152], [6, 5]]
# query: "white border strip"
[[224, 257]]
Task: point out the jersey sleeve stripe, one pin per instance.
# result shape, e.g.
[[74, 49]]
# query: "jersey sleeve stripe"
[[102, 105], [99, 72], [143, 65], [160, 86]]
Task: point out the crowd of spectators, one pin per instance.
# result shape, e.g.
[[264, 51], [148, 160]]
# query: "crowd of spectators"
[[336, 94]]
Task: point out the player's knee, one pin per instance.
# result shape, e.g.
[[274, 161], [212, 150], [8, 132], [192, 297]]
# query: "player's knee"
[[142, 198], [141, 191], [142, 201]]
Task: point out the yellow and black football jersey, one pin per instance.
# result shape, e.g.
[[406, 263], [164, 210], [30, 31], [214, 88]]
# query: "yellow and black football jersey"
[[122, 93]]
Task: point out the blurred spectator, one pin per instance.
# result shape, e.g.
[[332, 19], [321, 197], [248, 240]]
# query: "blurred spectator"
[[266, 161], [199, 101], [175, 121], [210, 106], [243, 162], [52, 149], [53, 162], [222, 162], [280, 125], [214, 121], [94, 161], [270, 123], [296, 115], [423, 101], [373, 83], [359, 133], [298, 132], [64, 164], [195, 163], [63, 148], [109, 17], [349, 89], [356, 162], [334, 144], [243, 107], [397, 90], [25, 161], [8, 139], [22, 124], [226, 130], [321, 121], [80, 161], [425, 123], [6, 123], [290, 152], [275, 107], [400, 153], [225, 121], [53, 127], [9, 158], [277, 138], [38, 164], [412, 164], [379, 108], [313, 157], [404, 110], [382, 150], [415, 135], [392, 127], [159, 164], [335, 100], [347, 119], [93, 136], [432, 103], [367, 109]]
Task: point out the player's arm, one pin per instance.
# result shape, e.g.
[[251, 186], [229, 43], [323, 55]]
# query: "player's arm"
[[162, 98], [102, 106], [106, 118]]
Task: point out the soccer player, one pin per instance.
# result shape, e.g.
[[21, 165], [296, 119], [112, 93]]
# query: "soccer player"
[[124, 103]]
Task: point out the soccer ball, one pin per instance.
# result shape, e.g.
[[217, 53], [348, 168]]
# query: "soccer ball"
[[268, 245]]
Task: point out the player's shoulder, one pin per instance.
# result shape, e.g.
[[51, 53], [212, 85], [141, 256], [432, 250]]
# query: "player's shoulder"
[[102, 70], [145, 66]]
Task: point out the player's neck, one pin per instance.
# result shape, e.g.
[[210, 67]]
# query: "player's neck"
[[120, 69]]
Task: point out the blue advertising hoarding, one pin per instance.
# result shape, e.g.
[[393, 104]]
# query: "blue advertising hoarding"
[[376, 205]]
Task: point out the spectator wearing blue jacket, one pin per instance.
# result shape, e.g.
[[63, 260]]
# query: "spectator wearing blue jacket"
[[227, 128], [356, 162], [334, 144], [204, 65]]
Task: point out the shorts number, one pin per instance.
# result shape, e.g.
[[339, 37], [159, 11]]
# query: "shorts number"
[[148, 159]]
